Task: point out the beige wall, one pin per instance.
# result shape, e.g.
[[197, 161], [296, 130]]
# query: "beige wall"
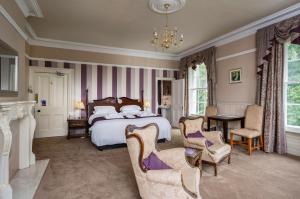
[[243, 92], [85, 56], [10, 36]]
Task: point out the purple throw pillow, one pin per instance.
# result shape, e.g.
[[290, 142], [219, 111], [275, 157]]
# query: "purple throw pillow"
[[209, 143], [198, 134], [152, 162]]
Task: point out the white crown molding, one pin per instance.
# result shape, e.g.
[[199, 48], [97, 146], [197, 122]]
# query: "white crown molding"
[[30, 8], [13, 23], [245, 31], [100, 49], [95, 63], [236, 54]]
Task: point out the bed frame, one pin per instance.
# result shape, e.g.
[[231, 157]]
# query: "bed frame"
[[117, 103]]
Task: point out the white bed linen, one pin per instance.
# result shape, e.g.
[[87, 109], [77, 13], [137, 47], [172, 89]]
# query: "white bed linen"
[[109, 132]]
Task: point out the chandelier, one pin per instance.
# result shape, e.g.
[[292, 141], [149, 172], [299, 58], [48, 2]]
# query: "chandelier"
[[169, 36]]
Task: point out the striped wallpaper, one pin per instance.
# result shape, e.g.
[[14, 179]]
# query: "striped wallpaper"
[[106, 81]]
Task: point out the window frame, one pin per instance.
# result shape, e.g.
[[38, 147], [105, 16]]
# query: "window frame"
[[195, 89], [288, 128]]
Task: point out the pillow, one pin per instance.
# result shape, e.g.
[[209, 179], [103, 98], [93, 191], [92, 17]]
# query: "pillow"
[[104, 110], [130, 108], [152, 162], [130, 112], [198, 134]]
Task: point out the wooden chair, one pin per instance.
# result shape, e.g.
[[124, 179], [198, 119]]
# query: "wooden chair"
[[252, 130], [210, 111]]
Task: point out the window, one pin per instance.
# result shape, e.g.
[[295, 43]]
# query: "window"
[[292, 88], [197, 90]]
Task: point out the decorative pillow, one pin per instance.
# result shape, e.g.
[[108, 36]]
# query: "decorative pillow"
[[130, 108], [209, 143], [152, 162], [131, 112], [104, 110], [198, 134]]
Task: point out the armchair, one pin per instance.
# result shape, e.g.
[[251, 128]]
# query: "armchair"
[[211, 154], [182, 181]]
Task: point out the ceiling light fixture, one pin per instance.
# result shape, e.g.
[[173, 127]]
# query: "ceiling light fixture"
[[168, 37]]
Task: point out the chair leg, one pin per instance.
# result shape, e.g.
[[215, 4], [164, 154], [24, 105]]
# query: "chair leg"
[[249, 146], [229, 159], [216, 170], [261, 144], [231, 140]]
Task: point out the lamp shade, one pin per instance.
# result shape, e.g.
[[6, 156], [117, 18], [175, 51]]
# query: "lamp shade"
[[79, 105], [146, 104]]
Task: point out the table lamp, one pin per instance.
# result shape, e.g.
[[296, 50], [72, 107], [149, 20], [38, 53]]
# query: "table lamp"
[[79, 106], [146, 105]]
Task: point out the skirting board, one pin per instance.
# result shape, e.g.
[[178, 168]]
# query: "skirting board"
[[26, 181]]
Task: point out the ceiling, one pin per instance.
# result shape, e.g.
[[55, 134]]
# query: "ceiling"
[[129, 23]]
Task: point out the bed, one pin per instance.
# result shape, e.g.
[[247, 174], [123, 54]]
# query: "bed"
[[110, 133]]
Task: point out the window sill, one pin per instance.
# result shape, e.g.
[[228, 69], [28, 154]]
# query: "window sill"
[[293, 129]]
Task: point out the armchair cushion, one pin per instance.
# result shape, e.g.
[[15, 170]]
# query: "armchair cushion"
[[219, 151], [152, 162], [170, 177], [248, 133]]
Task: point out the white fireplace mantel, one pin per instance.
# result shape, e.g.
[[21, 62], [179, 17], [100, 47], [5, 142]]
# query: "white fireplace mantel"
[[21, 111]]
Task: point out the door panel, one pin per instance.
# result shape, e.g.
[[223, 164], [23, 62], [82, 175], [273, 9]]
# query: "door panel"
[[52, 115], [177, 101]]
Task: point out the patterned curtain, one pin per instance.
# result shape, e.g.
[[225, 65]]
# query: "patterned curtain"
[[208, 57], [270, 72]]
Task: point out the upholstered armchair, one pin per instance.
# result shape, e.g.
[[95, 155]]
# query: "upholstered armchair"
[[210, 111], [252, 130], [214, 150], [180, 181]]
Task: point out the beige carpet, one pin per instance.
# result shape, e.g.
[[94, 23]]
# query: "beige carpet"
[[78, 170]]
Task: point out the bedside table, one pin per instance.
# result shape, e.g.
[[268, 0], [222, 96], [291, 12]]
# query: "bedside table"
[[77, 127]]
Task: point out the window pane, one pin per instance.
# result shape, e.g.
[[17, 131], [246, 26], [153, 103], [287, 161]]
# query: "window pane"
[[293, 93], [293, 51], [294, 70], [293, 115], [202, 95], [201, 108]]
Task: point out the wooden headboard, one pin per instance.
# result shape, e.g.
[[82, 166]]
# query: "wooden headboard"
[[123, 101], [113, 101], [109, 101]]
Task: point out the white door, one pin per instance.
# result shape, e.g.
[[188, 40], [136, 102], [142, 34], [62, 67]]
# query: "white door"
[[51, 93], [177, 101]]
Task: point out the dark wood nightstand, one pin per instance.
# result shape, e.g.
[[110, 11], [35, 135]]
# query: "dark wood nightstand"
[[77, 127]]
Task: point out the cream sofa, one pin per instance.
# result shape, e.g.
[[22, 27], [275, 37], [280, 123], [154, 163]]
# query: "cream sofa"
[[182, 181]]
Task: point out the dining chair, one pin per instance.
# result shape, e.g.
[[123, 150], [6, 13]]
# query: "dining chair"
[[210, 111], [252, 130]]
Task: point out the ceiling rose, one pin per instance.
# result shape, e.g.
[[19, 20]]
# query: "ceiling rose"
[[159, 5]]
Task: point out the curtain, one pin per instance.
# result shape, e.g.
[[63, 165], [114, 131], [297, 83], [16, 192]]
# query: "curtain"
[[208, 57], [270, 72]]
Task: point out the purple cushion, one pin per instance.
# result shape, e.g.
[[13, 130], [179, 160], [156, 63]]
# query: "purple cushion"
[[209, 143], [152, 162], [198, 134]]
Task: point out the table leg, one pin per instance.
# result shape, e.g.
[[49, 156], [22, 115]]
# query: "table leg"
[[225, 131], [208, 124], [243, 123]]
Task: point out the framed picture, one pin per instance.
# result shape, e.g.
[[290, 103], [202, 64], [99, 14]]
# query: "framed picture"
[[235, 76]]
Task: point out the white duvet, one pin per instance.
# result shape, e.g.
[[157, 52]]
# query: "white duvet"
[[109, 132]]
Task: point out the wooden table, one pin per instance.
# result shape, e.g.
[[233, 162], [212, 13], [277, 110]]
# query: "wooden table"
[[79, 124], [225, 120]]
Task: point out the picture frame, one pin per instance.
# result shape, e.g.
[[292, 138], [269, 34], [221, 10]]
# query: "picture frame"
[[235, 76]]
